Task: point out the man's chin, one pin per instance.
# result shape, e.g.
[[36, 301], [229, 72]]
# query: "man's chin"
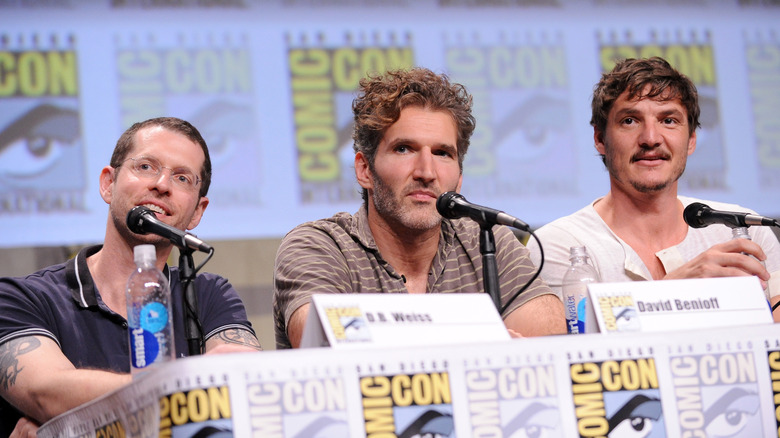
[[650, 187], [421, 223]]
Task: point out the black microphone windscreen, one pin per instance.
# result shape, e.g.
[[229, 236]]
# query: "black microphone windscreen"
[[445, 204], [692, 215], [135, 219]]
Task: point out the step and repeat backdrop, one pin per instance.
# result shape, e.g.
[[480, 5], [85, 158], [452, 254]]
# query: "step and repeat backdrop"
[[270, 85]]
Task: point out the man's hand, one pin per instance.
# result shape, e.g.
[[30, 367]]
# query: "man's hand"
[[727, 259], [514, 335], [25, 428]]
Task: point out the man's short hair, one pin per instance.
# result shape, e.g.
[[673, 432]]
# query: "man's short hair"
[[382, 97], [633, 76], [125, 144]]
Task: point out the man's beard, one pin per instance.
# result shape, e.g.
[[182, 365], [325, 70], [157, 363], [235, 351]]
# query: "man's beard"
[[392, 209], [119, 218], [641, 186]]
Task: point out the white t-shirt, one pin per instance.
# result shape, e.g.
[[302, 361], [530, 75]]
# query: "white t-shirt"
[[616, 261]]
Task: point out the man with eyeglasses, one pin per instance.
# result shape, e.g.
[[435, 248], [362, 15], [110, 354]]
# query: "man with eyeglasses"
[[63, 330]]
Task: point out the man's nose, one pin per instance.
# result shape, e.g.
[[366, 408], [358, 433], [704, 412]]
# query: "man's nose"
[[650, 136], [423, 166]]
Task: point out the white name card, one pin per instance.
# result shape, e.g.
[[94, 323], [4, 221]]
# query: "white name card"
[[389, 320], [655, 306]]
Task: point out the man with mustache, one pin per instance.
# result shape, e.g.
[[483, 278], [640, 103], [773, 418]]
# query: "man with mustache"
[[645, 115], [412, 130], [63, 330]]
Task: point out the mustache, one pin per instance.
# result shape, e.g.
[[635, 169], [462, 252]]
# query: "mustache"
[[433, 188], [648, 154]]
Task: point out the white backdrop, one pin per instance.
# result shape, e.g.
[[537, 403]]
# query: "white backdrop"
[[269, 84]]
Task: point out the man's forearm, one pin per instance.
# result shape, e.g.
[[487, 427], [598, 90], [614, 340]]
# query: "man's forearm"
[[42, 383], [541, 316]]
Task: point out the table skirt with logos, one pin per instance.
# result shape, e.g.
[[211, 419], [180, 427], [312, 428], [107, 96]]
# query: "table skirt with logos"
[[715, 382]]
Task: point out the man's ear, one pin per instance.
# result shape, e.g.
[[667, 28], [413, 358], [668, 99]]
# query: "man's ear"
[[362, 172], [203, 202], [107, 178], [692, 143], [598, 140]]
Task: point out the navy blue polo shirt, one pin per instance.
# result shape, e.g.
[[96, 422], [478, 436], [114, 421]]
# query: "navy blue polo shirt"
[[62, 303]]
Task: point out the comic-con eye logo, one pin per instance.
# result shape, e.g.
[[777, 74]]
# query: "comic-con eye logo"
[[348, 324], [34, 142], [635, 418], [620, 313], [429, 424], [717, 395]]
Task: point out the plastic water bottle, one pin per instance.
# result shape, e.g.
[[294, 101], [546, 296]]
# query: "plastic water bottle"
[[575, 288], [148, 312], [742, 233]]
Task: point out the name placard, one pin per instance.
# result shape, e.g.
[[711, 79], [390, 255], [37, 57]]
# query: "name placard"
[[386, 320], [655, 306]]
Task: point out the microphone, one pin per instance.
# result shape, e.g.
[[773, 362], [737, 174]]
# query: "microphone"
[[698, 215], [453, 205], [141, 220]]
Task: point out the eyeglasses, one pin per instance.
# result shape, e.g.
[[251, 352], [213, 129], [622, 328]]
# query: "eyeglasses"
[[147, 167]]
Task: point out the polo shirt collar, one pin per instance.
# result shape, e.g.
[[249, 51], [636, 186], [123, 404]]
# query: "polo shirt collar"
[[360, 230], [79, 279]]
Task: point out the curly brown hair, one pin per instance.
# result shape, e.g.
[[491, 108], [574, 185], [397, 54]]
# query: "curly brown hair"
[[632, 76], [125, 144], [382, 97]]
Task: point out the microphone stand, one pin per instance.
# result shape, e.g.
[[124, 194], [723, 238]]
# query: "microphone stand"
[[487, 246], [190, 303]]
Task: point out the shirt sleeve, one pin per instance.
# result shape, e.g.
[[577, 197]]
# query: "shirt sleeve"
[[220, 306], [308, 261], [515, 270], [24, 312]]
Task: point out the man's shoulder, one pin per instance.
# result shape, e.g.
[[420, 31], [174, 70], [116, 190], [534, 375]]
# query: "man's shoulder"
[[46, 291], [582, 218], [44, 279], [204, 277], [339, 222], [342, 230]]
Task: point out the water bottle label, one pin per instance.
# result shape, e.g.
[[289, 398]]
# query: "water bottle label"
[[144, 348], [581, 306], [575, 315], [154, 317]]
